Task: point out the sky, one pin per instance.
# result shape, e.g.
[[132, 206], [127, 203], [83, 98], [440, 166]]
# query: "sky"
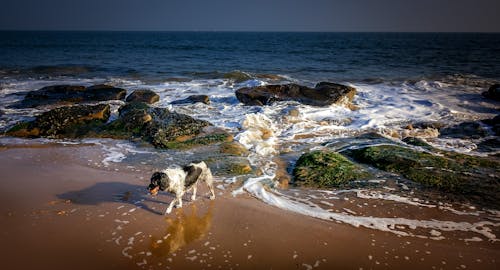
[[255, 15]]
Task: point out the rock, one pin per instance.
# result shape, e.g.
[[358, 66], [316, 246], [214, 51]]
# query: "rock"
[[493, 92], [237, 76], [323, 94], [489, 145], [144, 95], [326, 169], [132, 121], [294, 112], [466, 130], [228, 165], [428, 125], [494, 123], [193, 99], [103, 92], [239, 168], [166, 126], [469, 176], [270, 77], [70, 94], [64, 122], [233, 148], [416, 142], [282, 178]]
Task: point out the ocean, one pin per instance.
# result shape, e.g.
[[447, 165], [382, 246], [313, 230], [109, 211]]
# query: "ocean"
[[401, 79], [303, 56]]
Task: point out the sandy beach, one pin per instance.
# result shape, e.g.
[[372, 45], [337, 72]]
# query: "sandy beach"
[[60, 211]]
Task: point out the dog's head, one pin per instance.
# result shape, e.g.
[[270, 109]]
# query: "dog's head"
[[159, 181]]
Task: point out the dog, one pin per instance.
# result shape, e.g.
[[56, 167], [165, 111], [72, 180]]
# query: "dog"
[[181, 180]]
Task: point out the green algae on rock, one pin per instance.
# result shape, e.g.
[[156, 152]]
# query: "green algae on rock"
[[326, 169], [64, 122], [470, 176]]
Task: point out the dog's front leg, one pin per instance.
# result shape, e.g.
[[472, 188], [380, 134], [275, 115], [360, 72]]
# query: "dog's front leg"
[[179, 199], [169, 209]]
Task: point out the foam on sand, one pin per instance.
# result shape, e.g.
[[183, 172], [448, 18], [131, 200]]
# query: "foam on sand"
[[398, 226]]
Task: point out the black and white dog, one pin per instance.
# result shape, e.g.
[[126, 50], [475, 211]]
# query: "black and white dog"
[[181, 180]]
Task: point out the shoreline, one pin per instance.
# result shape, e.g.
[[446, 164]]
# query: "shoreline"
[[60, 212]]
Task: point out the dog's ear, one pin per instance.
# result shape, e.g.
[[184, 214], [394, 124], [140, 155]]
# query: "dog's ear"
[[159, 179], [155, 180]]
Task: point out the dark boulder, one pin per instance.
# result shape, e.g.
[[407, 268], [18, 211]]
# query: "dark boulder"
[[144, 95], [493, 92], [193, 99], [103, 92], [494, 123], [489, 145], [64, 122], [70, 94], [465, 130], [326, 169], [323, 94]]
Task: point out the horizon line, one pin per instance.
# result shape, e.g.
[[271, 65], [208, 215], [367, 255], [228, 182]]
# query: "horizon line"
[[250, 31]]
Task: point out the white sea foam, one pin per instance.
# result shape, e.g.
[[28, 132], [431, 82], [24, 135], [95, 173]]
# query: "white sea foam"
[[373, 194], [393, 225], [258, 135]]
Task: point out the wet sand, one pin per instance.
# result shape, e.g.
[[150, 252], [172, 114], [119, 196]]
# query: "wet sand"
[[61, 211]]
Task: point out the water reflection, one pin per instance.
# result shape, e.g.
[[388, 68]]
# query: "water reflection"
[[186, 227]]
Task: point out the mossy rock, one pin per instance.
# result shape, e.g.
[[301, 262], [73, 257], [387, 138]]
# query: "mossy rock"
[[470, 176], [326, 169], [64, 122], [417, 142], [229, 165], [239, 168], [24, 130], [197, 141], [132, 121], [233, 148], [166, 126]]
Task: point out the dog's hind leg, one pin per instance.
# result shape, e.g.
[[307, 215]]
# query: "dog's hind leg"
[[210, 183], [193, 197]]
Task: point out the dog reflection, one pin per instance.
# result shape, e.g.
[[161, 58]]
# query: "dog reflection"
[[186, 227]]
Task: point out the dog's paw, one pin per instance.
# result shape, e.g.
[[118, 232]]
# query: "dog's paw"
[[212, 197], [169, 210]]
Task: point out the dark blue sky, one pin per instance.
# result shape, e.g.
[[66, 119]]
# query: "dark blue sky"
[[255, 15]]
